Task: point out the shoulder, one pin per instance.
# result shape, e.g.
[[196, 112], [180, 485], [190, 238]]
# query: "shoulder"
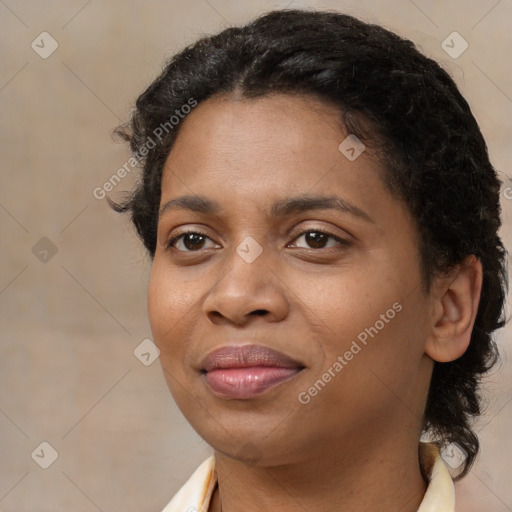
[[440, 494], [196, 493]]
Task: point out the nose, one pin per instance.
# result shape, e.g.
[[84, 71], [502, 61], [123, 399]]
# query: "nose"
[[244, 291]]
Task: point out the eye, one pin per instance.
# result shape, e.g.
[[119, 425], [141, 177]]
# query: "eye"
[[193, 241], [317, 238], [190, 240]]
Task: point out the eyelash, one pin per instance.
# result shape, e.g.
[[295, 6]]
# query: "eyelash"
[[341, 241]]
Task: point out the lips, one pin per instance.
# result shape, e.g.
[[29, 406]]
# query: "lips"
[[246, 371]]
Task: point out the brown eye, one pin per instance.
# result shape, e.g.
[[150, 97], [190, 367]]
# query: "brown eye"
[[190, 241], [317, 239]]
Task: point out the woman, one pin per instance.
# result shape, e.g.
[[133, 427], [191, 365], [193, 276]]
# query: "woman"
[[322, 218]]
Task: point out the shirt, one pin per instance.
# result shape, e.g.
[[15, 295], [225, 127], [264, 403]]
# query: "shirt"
[[196, 493]]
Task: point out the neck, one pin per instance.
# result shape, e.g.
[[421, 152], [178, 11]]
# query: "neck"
[[363, 477]]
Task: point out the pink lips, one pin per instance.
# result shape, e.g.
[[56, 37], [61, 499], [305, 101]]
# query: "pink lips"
[[245, 371]]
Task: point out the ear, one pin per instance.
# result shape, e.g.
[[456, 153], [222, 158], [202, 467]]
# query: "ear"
[[456, 298]]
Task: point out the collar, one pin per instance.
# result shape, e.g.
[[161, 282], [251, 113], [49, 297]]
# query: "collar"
[[196, 493]]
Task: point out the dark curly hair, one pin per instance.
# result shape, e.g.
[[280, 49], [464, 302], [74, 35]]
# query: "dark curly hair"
[[397, 101]]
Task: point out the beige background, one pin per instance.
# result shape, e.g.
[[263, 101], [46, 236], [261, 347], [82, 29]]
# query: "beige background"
[[70, 325]]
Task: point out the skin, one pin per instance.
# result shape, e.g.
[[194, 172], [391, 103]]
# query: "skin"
[[354, 446]]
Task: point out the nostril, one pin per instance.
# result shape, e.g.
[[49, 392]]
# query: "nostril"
[[260, 312]]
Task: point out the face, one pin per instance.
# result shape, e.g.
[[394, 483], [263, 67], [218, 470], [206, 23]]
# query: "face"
[[259, 259]]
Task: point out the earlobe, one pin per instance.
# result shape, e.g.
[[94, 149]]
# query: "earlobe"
[[454, 312]]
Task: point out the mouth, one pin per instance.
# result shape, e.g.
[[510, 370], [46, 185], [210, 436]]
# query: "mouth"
[[246, 371]]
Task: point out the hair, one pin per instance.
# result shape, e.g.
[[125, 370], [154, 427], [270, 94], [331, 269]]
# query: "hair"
[[393, 98]]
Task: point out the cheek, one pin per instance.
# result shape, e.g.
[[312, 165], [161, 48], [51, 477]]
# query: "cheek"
[[371, 313], [166, 306], [170, 296], [347, 303], [157, 301], [167, 315]]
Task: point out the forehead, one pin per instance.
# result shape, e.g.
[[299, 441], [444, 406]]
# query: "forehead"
[[283, 139]]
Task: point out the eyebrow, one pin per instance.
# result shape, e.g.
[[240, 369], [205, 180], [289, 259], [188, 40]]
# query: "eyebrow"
[[281, 208]]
